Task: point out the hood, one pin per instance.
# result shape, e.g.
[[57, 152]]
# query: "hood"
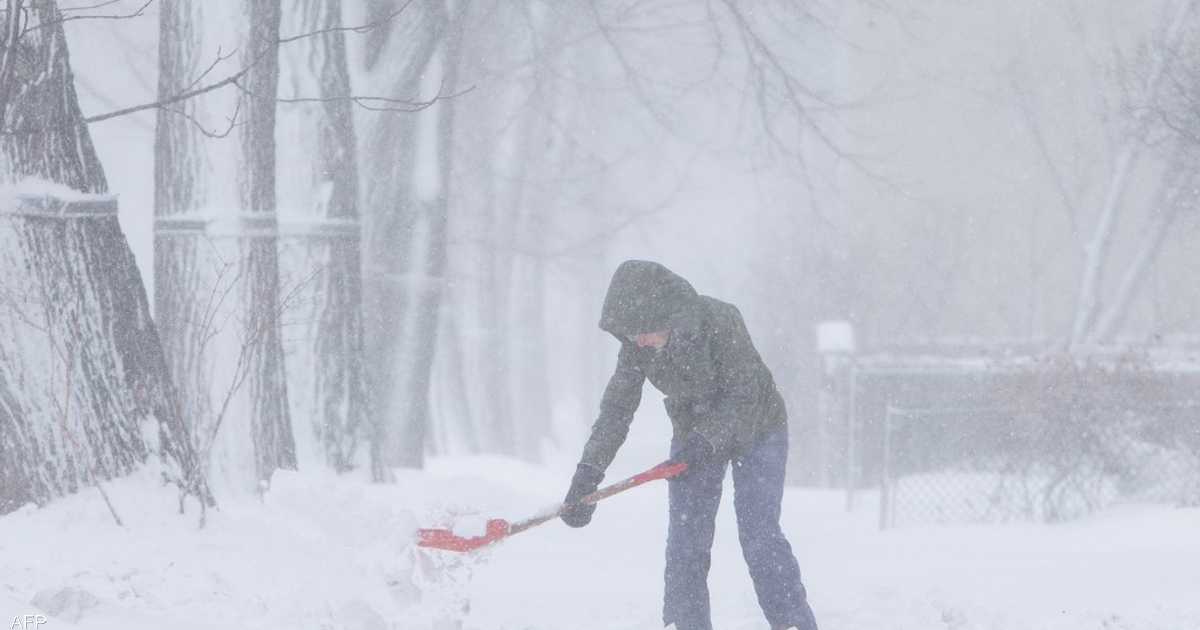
[[642, 297]]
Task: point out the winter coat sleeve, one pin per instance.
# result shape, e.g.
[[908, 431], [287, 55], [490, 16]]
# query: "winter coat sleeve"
[[737, 380], [621, 399]]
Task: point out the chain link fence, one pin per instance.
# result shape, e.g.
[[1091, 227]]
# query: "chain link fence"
[[1044, 441], [988, 465]]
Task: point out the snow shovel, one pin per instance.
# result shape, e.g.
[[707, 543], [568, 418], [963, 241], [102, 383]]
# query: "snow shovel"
[[498, 529]]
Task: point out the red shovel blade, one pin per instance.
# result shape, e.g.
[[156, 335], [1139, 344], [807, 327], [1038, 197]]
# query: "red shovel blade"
[[497, 528]]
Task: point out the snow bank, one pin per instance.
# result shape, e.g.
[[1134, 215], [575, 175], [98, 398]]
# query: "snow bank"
[[325, 552], [315, 551]]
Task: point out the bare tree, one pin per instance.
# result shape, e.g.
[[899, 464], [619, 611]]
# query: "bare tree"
[[274, 443], [318, 203], [512, 211], [407, 190], [1176, 196], [217, 288], [1097, 248], [74, 318], [1173, 127]]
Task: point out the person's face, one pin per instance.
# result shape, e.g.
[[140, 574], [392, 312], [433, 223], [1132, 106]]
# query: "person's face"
[[656, 340]]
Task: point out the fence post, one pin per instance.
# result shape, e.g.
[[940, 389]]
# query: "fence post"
[[885, 482]]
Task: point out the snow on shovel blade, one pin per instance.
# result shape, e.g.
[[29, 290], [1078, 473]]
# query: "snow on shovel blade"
[[497, 528]]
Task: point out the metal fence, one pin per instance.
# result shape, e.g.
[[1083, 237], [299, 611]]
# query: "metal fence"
[[1042, 462], [993, 434]]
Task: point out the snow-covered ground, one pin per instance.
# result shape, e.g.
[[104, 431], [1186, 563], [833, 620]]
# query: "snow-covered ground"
[[327, 553]]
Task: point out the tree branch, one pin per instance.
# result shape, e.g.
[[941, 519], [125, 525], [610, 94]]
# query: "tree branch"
[[182, 96], [72, 18], [90, 7], [385, 104], [361, 101], [360, 29]]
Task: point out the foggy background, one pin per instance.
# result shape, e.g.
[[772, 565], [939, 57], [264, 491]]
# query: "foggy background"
[[923, 170], [286, 283]]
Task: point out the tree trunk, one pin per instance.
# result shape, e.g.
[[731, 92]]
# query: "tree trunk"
[[83, 393], [427, 251], [534, 402], [529, 212], [318, 193], [217, 283], [406, 188], [498, 274], [1097, 249], [1176, 193], [388, 149], [494, 320], [274, 444], [456, 431]]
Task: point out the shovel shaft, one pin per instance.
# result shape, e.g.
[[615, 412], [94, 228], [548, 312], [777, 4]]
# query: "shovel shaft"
[[499, 529], [664, 470]]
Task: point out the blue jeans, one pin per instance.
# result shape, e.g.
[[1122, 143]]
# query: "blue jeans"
[[758, 494]]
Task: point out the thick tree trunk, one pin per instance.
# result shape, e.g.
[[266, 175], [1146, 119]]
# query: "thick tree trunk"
[[318, 207], [426, 260], [83, 392], [519, 143], [274, 444], [388, 158], [497, 272], [408, 166], [217, 283], [528, 211], [543, 152], [185, 316]]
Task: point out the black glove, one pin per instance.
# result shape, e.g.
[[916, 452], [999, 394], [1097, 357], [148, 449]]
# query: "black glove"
[[696, 448], [587, 478]]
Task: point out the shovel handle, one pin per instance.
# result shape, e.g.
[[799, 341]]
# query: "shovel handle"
[[499, 529], [665, 470]]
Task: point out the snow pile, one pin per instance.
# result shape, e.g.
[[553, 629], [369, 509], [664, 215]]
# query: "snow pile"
[[315, 551], [335, 553]]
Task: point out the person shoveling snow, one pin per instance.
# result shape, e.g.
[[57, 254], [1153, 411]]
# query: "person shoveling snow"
[[724, 407]]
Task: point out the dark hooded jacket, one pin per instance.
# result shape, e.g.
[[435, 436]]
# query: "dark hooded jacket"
[[714, 380]]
